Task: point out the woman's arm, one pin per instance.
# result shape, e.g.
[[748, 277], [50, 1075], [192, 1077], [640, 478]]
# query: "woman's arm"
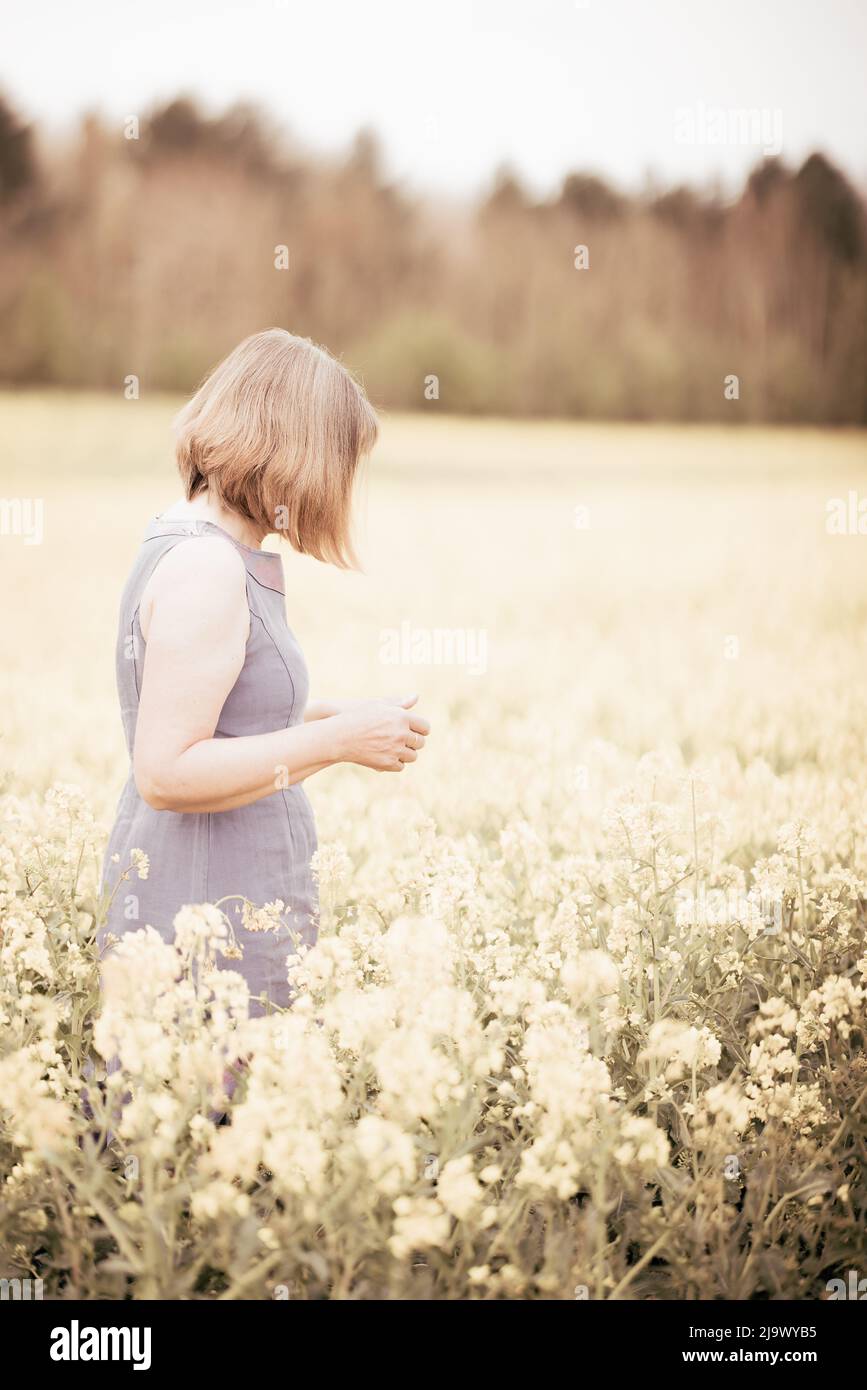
[[326, 709], [195, 622], [321, 709]]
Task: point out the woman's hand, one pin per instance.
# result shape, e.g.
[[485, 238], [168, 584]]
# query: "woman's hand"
[[382, 734]]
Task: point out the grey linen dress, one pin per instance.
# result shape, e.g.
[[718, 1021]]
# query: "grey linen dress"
[[260, 852]]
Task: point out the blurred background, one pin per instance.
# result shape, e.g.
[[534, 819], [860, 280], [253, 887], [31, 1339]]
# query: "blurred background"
[[412, 187], [602, 264]]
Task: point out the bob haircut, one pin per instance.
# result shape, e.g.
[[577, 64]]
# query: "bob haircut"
[[276, 432]]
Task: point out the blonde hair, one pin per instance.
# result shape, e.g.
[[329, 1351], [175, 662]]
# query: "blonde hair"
[[276, 432]]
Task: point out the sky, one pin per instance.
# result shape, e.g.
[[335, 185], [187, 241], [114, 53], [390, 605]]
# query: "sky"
[[681, 90]]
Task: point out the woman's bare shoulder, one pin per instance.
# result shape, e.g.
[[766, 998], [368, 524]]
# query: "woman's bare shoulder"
[[203, 578]]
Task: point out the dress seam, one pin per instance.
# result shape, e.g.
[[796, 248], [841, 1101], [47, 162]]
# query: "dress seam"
[[276, 647]]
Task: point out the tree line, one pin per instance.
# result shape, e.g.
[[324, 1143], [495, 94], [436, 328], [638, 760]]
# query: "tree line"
[[149, 249]]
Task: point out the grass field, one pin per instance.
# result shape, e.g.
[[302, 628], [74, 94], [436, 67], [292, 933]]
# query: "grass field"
[[556, 1043]]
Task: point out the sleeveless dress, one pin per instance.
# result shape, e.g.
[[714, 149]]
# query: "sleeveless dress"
[[259, 852]]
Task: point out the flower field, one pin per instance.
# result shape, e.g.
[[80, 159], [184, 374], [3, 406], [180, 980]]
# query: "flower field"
[[586, 1015]]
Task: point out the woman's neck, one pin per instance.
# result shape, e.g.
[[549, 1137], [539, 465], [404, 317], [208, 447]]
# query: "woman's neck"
[[204, 507]]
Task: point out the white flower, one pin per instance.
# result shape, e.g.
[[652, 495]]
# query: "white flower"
[[458, 1189], [420, 1223], [389, 1153], [588, 976]]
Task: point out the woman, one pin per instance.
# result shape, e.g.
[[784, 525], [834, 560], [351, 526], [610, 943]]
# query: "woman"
[[212, 683]]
